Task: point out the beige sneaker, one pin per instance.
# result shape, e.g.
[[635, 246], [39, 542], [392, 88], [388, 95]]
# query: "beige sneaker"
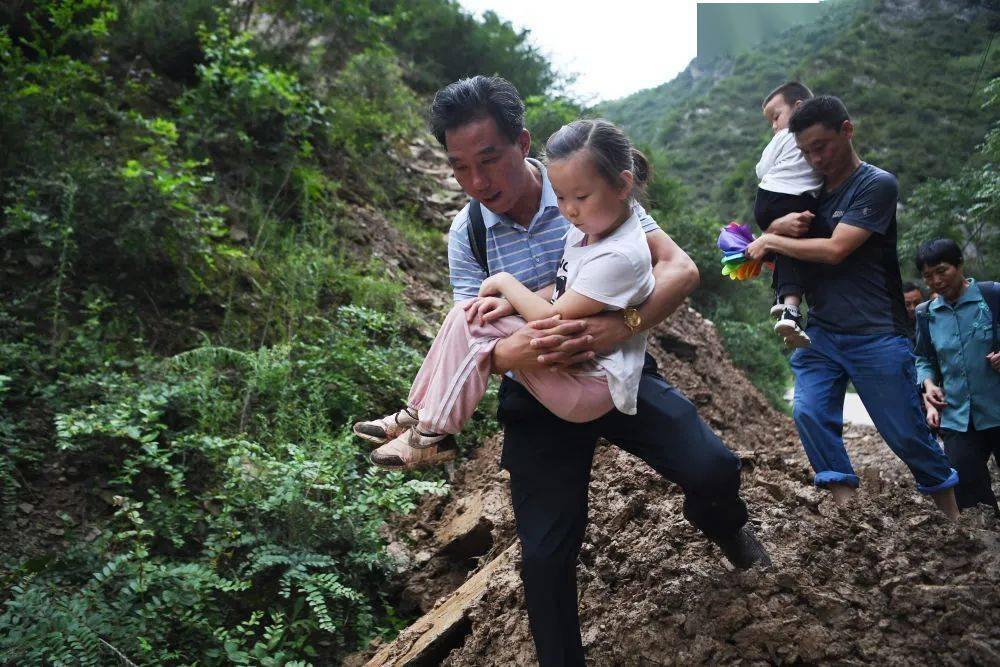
[[385, 429], [399, 455]]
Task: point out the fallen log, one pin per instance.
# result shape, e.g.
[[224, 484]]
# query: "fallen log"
[[437, 632]]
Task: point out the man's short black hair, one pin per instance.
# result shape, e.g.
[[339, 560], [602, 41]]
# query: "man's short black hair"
[[791, 91], [932, 253], [481, 96], [826, 110], [909, 287]]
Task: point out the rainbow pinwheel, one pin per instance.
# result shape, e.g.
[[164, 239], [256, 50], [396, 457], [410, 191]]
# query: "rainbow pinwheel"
[[733, 241]]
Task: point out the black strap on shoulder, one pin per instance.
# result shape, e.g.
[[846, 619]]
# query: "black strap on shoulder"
[[991, 295], [477, 235]]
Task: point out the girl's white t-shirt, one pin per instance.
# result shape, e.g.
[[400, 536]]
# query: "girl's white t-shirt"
[[617, 271], [782, 168]]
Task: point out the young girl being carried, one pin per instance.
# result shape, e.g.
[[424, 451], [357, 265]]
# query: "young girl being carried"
[[595, 173]]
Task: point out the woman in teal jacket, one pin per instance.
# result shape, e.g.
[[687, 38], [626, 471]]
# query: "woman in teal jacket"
[[958, 367]]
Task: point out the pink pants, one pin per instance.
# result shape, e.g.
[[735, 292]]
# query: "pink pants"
[[453, 378]]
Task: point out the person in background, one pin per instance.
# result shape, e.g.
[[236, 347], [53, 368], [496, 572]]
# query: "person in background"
[[958, 367], [912, 296]]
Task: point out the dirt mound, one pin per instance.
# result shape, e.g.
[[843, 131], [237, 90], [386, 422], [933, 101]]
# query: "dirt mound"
[[885, 580]]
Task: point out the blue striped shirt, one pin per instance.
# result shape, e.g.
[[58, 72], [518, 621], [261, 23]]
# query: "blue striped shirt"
[[530, 254]]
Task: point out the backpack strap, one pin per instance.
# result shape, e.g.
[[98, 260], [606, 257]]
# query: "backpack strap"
[[477, 235], [991, 295]]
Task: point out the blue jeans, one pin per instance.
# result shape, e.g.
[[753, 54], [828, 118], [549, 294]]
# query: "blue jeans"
[[881, 368]]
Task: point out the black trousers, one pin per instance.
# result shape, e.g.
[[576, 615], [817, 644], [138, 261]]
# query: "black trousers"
[[969, 454], [789, 274], [549, 461]]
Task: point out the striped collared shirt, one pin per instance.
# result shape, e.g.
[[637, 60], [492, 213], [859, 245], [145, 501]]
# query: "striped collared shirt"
[[530, 254]]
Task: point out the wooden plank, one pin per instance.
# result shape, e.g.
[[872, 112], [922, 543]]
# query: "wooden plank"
[[434, 633]]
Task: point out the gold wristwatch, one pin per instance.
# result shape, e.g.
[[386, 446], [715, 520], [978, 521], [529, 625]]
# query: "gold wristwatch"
[[633, 320]]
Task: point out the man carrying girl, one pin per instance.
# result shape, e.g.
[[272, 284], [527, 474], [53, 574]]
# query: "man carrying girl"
[[480, 123]]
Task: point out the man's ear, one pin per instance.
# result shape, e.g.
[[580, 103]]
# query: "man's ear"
[[797, 104], [847, 129], [524, 142]]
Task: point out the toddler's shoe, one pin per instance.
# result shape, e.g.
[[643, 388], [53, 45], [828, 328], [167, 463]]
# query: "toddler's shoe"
[[398, 454], [789, 327], [388, 427]]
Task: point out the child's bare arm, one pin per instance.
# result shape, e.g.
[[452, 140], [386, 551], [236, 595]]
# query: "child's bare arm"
[[535, 305]]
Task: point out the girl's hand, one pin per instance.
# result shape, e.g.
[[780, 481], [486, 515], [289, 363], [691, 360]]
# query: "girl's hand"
[[487, 309], [933, 416], [758, 248], [493, 285]]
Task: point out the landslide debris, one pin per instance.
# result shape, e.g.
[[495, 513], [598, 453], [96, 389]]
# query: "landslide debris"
[[886, 580]]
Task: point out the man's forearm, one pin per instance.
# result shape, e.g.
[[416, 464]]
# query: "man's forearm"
[[675, 281], [506, 356], [823, 251]]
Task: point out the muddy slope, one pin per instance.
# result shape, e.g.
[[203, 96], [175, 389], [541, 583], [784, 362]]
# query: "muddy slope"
[[884, 581]]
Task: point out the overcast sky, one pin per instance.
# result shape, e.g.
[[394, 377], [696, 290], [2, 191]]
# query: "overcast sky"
[[625, 46]]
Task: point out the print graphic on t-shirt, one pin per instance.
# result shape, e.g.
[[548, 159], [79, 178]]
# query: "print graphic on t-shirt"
[[560, 280]]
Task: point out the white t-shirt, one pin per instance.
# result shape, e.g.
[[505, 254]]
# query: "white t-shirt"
[[782, 168], [616, 271]]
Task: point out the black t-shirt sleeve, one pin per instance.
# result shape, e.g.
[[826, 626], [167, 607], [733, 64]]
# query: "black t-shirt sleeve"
[[873, 207]]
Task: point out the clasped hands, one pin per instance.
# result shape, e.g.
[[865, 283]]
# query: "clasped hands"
[[549, 342], [793, 225]]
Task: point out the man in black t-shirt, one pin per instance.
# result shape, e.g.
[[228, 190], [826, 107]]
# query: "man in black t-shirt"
[[857, 318]]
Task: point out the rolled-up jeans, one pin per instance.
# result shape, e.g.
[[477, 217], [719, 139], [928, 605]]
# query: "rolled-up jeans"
[[881, 368]]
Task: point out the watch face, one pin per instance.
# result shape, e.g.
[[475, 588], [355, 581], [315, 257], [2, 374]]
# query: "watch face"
[[632, 318]]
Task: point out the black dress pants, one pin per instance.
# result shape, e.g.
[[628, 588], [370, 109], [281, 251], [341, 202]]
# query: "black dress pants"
[[549, 461], [969, 453]]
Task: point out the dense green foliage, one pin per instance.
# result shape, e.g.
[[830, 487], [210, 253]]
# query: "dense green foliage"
[[188, 323], [964, 207], [191, 314]]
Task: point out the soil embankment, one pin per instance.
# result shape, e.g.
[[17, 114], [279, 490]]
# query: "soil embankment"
[[885, 581]]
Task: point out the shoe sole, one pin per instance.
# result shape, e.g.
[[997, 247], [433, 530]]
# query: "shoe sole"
[[777, 310], [793, 335], [369, 437], [439, 458]]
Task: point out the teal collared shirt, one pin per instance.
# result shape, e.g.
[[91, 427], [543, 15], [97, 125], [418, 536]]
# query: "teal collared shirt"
[[962, 335]]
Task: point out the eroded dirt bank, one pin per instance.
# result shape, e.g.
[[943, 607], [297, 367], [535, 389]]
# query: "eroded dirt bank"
[[885, 581]]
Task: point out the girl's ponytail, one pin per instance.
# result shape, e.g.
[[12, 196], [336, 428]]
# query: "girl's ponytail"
[[641, 169]]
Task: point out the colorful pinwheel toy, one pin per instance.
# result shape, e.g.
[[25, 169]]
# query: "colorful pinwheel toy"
[[733, 240]]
